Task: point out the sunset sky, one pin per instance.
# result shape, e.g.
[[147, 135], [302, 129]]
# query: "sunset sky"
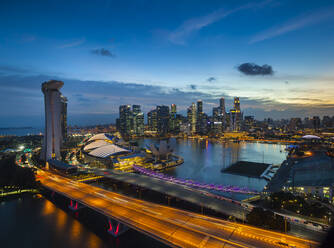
[[277, 56]]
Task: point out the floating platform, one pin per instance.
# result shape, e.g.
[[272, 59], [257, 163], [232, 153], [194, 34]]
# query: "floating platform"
[[248, 169]]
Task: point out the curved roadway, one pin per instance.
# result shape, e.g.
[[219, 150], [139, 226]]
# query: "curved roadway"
[[171, 226]]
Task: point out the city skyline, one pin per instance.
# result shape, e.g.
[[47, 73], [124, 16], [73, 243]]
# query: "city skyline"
[[279, 65]]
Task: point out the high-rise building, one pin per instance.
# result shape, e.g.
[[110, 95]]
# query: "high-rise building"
[[125, 119], [138, 124], [199, 117], [163, 119], [173, 109], [235, 116], [237, 104], [193, 118], [136, 109], [173, 121], [55, 119], [222, 106], [222, 112], [152, 120], [137, 127], [316, 122]]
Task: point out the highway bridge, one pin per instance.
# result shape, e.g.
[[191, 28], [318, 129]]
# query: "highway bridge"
[[174, 227]]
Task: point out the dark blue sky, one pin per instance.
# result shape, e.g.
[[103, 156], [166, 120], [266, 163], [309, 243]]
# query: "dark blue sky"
[[162, 52]]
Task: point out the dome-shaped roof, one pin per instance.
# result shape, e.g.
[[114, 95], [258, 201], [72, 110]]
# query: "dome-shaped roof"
[[101, 136], [310, 137]]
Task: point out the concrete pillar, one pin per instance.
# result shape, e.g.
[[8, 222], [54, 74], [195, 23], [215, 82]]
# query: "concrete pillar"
[[74, 205], [116, 228]]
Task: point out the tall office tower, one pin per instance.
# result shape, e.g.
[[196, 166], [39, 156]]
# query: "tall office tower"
[[163, 119], [152, 120], [316, 122], [173, 109], [136, 109], [138, 124], [173, 120], [199, 111], [137, 127], [222, 106], [237, 104], [236, 116], [55, 119], [125, 119], [193, 118]]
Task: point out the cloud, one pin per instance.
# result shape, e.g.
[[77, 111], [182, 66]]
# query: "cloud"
[[96, 102], [211, 79], [103, 52], [13, 69], [73, 43], [293, 25], [192, 86], [193, 25], [252, 69]]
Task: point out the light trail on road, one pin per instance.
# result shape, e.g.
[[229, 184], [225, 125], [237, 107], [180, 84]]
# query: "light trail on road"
[[174, 227]]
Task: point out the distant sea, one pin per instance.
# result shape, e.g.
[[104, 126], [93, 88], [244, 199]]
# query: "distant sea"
[[20, 131]]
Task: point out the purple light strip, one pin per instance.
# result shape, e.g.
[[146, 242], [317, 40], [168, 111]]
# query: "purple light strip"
[[191, 183]]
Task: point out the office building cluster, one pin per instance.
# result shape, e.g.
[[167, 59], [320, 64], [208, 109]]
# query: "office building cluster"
[[165, 120], [130, 121]]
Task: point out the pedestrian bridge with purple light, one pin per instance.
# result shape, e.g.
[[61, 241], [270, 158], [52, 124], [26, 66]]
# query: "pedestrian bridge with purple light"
[[194, 184]]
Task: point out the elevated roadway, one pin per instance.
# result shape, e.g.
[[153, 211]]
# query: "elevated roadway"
[[198, 197], [174, 227]]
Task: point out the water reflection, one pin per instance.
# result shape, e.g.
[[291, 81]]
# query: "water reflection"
[[48, 208], [203, 161]]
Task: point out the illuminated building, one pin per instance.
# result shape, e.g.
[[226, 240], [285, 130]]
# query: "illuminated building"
[[152, 120], [316, 122], [136, 109], [173, 121], [137, 126], [125, 119], [55, 119], [192, 116], [162, 119], [199, 117], [235, 116]]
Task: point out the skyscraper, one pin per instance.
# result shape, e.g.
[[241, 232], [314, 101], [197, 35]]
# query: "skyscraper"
[[173, 124], [222, 106], [138, 121], [199, 116], [163, 119], [237, 104], [152, 120], [125, 119], [235, 116], [193, 118], [55, 119], [138, 124], [136, 109]]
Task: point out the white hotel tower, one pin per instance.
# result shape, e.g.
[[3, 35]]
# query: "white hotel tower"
[[55, 119]]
